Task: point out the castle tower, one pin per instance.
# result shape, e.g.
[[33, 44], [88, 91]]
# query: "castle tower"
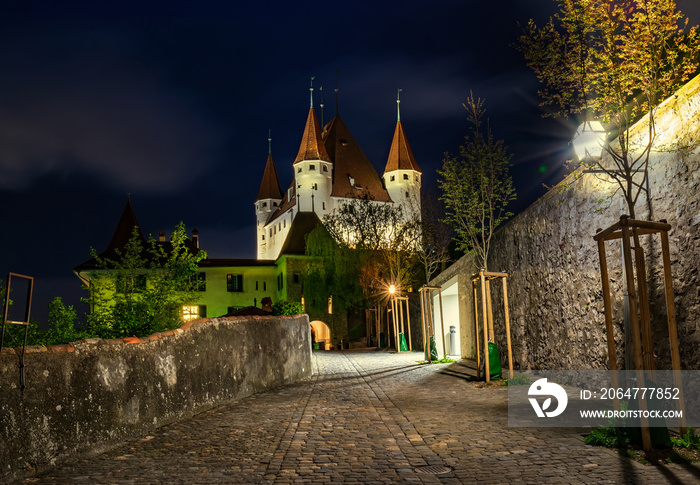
[[313, 169], [402, 176], [269, 198]]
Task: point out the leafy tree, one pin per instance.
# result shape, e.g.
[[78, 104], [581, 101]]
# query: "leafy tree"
[[614, 61], [361, 246], [142, 290], [476, 185]]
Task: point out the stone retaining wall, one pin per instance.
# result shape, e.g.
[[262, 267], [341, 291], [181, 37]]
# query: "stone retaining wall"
[[554, 287], [91, 394]]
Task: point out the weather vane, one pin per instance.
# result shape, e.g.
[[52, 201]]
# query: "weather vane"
[[269, 141], [311, 90], [398, 104]]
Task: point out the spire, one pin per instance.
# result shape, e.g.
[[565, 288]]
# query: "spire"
[[270, 185], [400, 155], [398, 104], [312, 147], [311, 91], [125, 229]]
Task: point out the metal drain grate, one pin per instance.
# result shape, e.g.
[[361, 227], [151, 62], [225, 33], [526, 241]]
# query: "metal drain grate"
[[433, 469]]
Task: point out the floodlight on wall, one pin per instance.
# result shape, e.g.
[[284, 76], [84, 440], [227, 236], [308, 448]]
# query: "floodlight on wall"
[[589, 141]]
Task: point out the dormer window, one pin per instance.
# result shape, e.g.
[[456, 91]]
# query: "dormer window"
[[312, 167]]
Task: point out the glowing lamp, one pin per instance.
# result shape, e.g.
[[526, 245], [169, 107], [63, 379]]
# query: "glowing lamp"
[[392, 289], [589, 140]]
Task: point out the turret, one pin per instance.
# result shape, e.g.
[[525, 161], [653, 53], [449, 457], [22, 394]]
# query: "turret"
[[402, 176], [269, 198], [313, 169]]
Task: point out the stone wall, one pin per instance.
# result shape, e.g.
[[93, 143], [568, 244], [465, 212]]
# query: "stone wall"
[[554, 288], [89, 395]]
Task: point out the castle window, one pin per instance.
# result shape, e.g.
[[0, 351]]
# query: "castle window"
[[406, 194], [280, 281], [264, 286], [284, 222], [264, 204], [416, 178], [270, 232], [324, 206], [312, 167], [275, 204], [234, 282], [325, 169], [256, 285], [405, 176], [296, 277], [299, 170], [393, 178], [263, 237]]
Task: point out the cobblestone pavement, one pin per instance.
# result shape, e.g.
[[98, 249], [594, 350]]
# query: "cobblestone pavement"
[[364, 417]]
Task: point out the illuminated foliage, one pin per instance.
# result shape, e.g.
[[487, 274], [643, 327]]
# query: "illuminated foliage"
[[476, 185], [142, 290], [614, 61]]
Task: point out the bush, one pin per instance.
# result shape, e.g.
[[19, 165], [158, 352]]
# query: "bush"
[[285, 307], [607, 437], [518, 380]]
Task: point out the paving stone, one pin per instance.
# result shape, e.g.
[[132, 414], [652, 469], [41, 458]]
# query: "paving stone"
[[364, 417]]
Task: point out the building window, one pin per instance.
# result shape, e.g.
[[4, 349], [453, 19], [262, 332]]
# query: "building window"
[[270, 232], [234, 282], [416, 178], [299, 170], [324, 206], [280, 281], [330, 305], [256, 285], [201, 282], [393, 178], [325, 169], [264, 204], [296, 277], [193, 312], [131, 284], [407, 194], [284, 223], [263, 237], [275, 204], [405, 176], [264, 286], [312, 167]]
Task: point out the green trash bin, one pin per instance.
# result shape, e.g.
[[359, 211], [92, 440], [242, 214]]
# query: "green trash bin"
[[494, 361], [403, 347]]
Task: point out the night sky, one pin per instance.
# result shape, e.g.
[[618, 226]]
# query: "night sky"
[[172, 101]]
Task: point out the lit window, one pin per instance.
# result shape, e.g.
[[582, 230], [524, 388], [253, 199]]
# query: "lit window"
[[190, 312], [330, 305]]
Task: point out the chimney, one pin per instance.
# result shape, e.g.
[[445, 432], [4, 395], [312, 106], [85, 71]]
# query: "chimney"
[[195, 238], [161, 236]]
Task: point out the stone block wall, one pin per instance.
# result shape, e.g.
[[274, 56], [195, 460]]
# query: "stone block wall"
[[554, 287], [91, 394]]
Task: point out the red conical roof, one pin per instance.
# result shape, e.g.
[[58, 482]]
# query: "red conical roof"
[[400, 155], [311, 147], [270, 185]]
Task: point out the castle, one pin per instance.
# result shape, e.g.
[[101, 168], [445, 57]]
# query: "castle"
[[330, 169]]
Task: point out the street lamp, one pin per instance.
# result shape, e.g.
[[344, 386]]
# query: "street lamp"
[[392, 290], [589, 141]]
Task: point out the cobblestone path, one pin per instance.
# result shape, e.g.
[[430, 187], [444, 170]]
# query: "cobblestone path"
[[364, 417]]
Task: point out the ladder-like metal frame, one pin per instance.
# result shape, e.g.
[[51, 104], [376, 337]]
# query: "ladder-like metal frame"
[[25, 322]]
